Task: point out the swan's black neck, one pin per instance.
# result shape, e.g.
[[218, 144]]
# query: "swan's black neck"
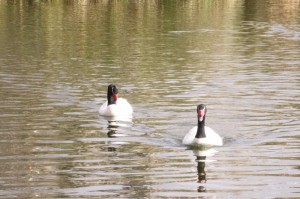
[[201, 129], [201, 112], [111, 91], [110, 100]]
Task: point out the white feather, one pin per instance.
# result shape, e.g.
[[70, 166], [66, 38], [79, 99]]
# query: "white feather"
[[121, 108], [212, 138]]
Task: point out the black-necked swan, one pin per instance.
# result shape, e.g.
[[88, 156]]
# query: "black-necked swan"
[[115, 106], [202, 135]]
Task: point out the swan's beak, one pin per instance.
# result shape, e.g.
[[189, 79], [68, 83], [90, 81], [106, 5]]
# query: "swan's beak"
[[115, 96], [201, 114]]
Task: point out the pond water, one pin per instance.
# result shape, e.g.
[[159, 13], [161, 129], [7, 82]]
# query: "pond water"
[[240, 58]]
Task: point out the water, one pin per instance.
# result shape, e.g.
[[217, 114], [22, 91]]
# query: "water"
[[242, 59]]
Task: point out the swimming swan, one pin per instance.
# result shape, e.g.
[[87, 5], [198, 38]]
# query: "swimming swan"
[[202, 135], [115, 106]]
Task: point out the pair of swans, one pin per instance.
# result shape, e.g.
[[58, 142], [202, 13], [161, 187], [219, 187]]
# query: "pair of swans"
[[199, 135]]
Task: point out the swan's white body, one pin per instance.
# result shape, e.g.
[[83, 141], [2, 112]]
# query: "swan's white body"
[[211, 139], [121, 108]]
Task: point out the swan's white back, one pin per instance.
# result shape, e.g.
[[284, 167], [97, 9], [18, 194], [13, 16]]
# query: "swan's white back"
[[190, 136], [212, 138], [121, 108]]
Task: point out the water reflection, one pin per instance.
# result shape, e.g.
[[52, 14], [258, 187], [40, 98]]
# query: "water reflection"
[[201, 173], [116, 124], [201, 159]]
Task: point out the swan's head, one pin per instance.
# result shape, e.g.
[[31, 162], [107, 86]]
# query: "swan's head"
[[201, 112], [112, 94]]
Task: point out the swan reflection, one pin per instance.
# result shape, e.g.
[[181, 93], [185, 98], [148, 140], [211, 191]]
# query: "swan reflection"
[[118, 127], [117, 123], [201, 159]]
